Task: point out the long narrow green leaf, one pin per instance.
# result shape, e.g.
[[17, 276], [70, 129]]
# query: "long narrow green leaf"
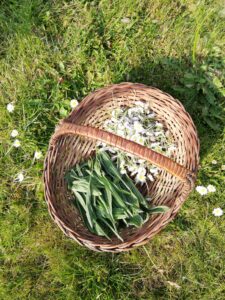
[[158, 209], [137, 221], [112, 229], [99, 230]]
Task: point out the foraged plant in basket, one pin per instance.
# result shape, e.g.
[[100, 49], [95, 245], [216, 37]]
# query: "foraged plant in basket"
[[120, 166]]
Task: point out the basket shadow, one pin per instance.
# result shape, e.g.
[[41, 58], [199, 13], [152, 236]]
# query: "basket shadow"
[[187, 83]]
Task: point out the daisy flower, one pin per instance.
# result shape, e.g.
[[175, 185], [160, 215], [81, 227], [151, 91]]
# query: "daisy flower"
[[16, 143], [223, 167], [10, 107], [217, 212], [201, 190], [14, 133], [138, 127], [37, 154], [19, 177], [73, 103], [211, 188], [140, 177], [214, 162]]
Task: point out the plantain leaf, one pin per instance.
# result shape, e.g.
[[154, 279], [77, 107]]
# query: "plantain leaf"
[[99, 230], [119, 213], [114, 230], [80, 199], [136, 221], [158, 209]]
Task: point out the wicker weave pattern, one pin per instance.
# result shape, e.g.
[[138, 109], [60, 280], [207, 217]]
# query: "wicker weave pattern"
[[75, 138]]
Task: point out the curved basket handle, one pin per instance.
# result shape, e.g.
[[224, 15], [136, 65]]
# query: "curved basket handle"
[[131, 147]]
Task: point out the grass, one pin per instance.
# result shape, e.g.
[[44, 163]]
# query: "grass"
[[54, 51]]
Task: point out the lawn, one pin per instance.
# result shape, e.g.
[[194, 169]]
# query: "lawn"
[[55, 51]]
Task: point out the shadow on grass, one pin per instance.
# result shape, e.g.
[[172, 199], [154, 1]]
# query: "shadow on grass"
[[189, 85]]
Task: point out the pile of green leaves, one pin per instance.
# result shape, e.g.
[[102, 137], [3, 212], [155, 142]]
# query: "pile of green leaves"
[[107, 200]]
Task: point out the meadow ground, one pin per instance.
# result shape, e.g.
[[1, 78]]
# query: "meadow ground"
[[55, 51]]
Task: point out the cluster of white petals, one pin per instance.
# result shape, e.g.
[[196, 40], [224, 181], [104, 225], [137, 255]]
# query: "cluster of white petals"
[[138, 124]]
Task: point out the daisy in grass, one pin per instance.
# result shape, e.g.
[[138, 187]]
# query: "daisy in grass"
[[20, 177], [217, 212], [14, 133], [37, 154], [201, 190], [211, 188], [16, 143], [10, 107], [73, 103]]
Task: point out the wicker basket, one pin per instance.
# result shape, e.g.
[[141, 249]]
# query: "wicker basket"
[[75, 139]]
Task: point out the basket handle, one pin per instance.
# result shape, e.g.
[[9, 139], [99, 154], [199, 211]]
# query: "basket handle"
[[131, 147]]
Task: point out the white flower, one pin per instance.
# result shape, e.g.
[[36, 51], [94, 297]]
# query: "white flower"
[[14, 133], [10, 107], [125, 20], [134, 111], [37, 154], [140, 177], [138, 127], [211, 188], [152, 139], [19, 177], [16, 143], [217, 212], [73, 103], [201, 190], [214, 162], [223, 167]]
